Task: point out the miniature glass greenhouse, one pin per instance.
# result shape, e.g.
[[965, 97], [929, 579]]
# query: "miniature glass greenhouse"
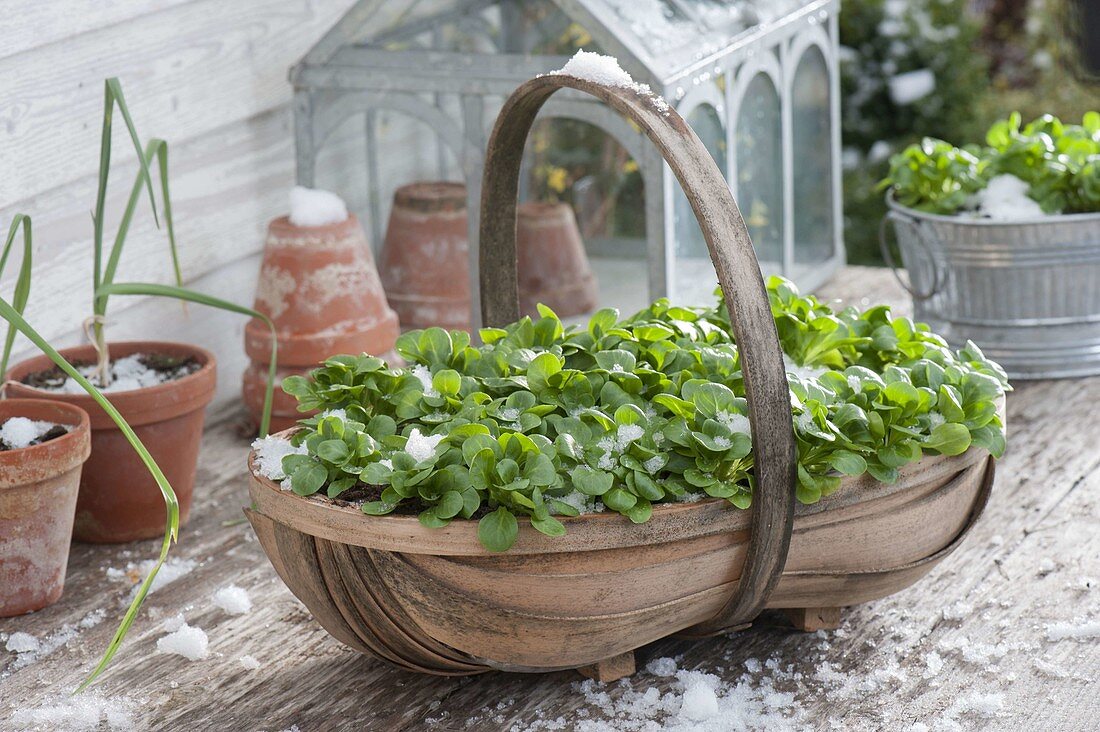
[[758, 81]]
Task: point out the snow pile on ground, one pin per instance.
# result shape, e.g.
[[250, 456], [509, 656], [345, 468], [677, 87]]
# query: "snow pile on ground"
[[249, 663], [186, 641], [1073, 631], [20, 642], [172, 570], [20, 432], [314, 207], [270, 452], [1005, 199], [30, 649], [128, 373], [233, 600], [911, 86], [82, 713], [605, 70]]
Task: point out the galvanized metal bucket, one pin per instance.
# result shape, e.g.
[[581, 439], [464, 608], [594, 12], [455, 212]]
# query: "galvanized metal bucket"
[[1027, 292]]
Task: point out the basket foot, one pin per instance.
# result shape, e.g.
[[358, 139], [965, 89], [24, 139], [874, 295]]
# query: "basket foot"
[[610, 669], [812, 619]]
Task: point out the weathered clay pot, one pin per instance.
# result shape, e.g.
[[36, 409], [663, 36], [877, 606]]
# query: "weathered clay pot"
[[551, 262], [119, 501], [38, 487], [425, 259], [320, 287]]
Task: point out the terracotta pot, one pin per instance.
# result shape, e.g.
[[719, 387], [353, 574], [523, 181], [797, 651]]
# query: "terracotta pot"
[[38, 487], [551, 261], [320, 287], [119, 501], [425, 259]]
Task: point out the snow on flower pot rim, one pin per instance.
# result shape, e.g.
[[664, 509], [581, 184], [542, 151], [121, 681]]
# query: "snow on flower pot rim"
[[38, 489], [435, 601], [1026, 291], [119, 501]]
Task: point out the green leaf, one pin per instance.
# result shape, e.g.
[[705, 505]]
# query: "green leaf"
[[949, 439], [601, 321], [447, 382], [449, 505], [308, 479], [590, 481], [378, 508], [497, 531], [333, 451], [619, 500], [435, 347], [640, 512], [541, 368], [847, 462], [548, 525]]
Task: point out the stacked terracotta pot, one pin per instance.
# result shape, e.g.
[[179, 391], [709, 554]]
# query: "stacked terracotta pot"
[[320, 287], [425, 260]]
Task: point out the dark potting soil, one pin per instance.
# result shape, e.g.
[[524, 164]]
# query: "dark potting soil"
[[169, 368], [51, 434], [361, 493]]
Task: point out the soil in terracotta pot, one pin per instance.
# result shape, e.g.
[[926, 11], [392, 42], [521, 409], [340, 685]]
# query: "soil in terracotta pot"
[[19, 432], [137, 371]]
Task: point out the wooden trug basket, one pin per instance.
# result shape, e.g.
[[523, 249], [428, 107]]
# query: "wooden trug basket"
[[435, 601]]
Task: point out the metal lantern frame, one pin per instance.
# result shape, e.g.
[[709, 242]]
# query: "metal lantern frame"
[[384, 55]]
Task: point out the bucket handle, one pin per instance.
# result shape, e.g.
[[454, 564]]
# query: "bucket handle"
[[731, 251], [888, 255]]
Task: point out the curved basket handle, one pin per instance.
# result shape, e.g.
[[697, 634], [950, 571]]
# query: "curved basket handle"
[[738, 271], [892, 217]]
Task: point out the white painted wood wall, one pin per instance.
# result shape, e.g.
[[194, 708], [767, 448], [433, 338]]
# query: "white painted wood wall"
[[209, 76]]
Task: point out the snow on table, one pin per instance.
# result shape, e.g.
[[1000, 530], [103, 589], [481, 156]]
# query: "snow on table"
[[995, 638]]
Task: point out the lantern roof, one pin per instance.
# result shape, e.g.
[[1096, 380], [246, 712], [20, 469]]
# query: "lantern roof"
[[657, 41]]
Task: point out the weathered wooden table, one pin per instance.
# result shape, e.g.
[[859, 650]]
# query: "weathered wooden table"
[[1004, 635]]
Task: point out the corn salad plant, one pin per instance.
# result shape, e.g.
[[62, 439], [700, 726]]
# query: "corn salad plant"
[[544, 421], [105, 266], [1059, 162]]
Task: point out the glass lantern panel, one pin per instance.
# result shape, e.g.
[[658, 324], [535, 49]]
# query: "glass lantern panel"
[[812, 162], [693, 271], [759, 143], [578, 163]]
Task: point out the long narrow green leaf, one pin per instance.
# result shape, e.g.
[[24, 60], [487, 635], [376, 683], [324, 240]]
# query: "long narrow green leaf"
[[171, 531], [116, 87], [22, 282], [112, 95], [180, 293], [158, 149]]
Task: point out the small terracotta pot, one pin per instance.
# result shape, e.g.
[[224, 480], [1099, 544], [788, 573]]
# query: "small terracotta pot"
[[551, 262], [320, 287], [425, 259], [119, 501], [38, 487]]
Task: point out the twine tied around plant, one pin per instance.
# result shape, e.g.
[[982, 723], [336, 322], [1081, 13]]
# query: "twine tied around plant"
[[100, 346]]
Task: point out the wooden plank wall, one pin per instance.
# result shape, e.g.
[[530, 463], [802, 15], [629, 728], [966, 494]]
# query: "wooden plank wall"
[[210, 77]]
